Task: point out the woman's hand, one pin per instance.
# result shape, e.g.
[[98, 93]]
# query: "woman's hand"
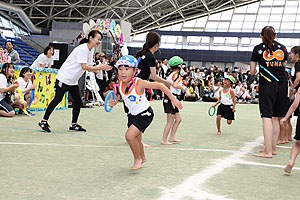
[[176, 103]]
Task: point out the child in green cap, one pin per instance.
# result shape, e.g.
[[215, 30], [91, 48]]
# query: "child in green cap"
[[173, 115], [228, 101]]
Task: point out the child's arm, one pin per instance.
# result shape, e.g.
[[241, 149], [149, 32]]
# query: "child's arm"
[[234, 100], [292, 108], [219, 100], [296, 82], [142, 84], [114, 102]]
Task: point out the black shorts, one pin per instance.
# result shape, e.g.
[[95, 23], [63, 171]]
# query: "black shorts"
[[225, 111], [297, 135], [168, 107], [5, 106], [273, 101], [142, 120]]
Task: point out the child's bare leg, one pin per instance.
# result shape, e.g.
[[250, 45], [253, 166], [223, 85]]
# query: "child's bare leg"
[[5, 114], [229, 121], [289, 130], [276, 130], [170, 121], [281, 139], [178, 120], [294, 153], [142, 153], [131, 136], [27, 97], [268, 133], [219, 124]]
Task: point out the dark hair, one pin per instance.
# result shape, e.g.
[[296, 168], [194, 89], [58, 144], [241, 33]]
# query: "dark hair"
[[4, 70], [92, 34], [296, 50], [9, 41], [47, 49], [163, 59], [152, 38], [23, 71], [268, 36]]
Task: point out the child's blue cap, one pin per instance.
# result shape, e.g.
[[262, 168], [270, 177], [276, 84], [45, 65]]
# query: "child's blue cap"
[[127, 60]]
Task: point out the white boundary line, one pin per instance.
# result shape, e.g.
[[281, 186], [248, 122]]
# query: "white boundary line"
[[265, 165], [193, 184]]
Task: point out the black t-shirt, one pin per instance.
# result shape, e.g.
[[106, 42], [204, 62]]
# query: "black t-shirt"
[[275, 63], [297, 69], [147, 60]]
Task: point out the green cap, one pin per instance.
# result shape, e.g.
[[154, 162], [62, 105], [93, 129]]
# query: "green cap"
[[175, 60], [230, 78]]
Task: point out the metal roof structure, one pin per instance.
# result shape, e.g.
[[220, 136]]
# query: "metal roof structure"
[[143, 15]]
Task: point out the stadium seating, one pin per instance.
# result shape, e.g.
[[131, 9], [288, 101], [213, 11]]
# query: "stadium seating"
[[26, 52]]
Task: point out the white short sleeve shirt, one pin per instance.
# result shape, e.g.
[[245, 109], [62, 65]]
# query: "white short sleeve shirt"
[[23, 83], [44, 60], [71, 70], [3, 84]]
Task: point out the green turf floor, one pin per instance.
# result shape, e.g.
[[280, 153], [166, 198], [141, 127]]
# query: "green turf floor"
[[96, 164]]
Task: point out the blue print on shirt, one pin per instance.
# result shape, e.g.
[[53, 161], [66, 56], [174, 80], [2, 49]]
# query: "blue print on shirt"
[[132, 98]]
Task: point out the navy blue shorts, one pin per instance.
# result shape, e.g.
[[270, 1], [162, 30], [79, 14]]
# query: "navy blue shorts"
[[142, 120], [5, 106]]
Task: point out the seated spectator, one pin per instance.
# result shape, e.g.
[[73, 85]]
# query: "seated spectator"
[[25, 83], [7, 87], [208, 92], [190, 94], [45, 59], [13, 54], [244, 96], [217, 89]]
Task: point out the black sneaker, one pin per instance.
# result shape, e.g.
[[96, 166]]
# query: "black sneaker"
[[45, 126], [76, 127]]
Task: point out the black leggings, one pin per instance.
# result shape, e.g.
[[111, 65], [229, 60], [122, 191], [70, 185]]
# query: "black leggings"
[[61, 88]]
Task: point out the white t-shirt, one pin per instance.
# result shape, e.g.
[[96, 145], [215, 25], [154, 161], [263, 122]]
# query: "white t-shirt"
[[71, 70], [44, 60], [23, 83], [3, 84]]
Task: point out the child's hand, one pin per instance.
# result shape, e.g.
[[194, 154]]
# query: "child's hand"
[[113, 102], [177, 104], [15, 85], [233, 109], [33, 86], [282, 121]]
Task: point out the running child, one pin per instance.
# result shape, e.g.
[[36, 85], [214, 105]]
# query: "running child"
[[140, 113], [296, 146], [173, 115], [295, 57], [228, 101]]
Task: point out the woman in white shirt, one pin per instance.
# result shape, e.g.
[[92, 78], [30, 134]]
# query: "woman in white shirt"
[[78, 61], [45, 59], [25, 82], [6, 88]]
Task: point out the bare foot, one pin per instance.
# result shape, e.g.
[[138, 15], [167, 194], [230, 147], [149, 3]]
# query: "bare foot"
[[144, 160], [219, 133], [288, 169], [175, 141], [137, 164], [280, 142], [166, 143], [146, 145], [263, 155], [290, 139]]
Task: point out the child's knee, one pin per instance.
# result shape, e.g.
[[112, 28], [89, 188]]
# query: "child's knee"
[[178, 120]]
